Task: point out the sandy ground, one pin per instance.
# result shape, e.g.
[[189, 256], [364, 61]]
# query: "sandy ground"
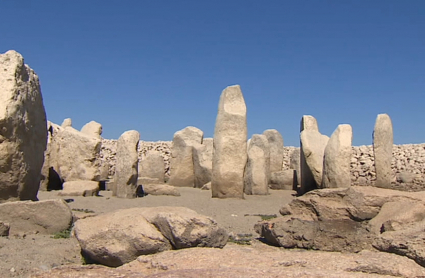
[[20, 256]]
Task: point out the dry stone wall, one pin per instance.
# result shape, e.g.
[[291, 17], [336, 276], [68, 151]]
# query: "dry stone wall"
[[408, 162]]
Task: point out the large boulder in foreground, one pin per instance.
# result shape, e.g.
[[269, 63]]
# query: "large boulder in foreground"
[[44, 217], [23, 129], [230, 141], [119, 237], [383, 150]]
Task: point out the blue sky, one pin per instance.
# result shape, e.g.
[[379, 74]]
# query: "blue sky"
[[159, 66]]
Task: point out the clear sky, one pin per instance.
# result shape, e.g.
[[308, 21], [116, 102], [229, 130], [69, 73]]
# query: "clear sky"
[[159, 66]]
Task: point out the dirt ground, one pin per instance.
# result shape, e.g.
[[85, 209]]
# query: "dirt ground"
[[26, 254]]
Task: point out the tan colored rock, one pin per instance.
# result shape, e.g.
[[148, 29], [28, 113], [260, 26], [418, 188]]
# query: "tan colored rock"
[[127, 165], [257, 170], [282, 180], [80, 188], [113, 239], [307, 181], [45, 217], [295, 164], [4, 228], [74, 155], [46, 181], [23, 129], [93, 129], [230, 145], [206, 186], [181, 161], [66, 123], [276, 149], [313, 149], [337, 158], [202, 162], [382, 150], [160, 189], [152, 166]]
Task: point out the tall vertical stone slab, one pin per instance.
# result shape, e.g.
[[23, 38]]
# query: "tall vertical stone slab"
[[314, 145], [202, 162], [126, 165], [181, 161], [276, 149], [295, 164], [152, 167], [230, 149], [382, 150], [93, 129], [307, 182], [257, 170], [337, 158], [23, 129]]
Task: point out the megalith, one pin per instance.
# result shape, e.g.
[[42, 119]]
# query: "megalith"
[[126, 167], [52, 130], [307, 182], [257, 170], [295, 164], [23, 129], [229, 148], [202, 162], [337, 158], [181, 160], [152, 167], [382, 150], [313, 148], [74, 155], [92, 129], [276, 149]]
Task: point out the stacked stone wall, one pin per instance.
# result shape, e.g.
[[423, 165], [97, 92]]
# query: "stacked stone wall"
[[408, 161]]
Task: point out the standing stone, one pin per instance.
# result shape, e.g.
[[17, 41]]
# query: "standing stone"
[[181, 161], [230, 149], [295, 164], [93, 129], [382, 150], [52, 130], [126, 165], [202, 162], [67, 123], [313, 149], [307, 182], [152, 166], [23, 129], [74, 155], [276, 149], [337, 158], [257, 170]]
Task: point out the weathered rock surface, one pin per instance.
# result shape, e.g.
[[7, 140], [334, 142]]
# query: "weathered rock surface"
[[313, 148], [127, 165], [66, 123], [80, 188], [4, 228], [116, 238], [230, 145], [181, 162], [295, 164], [276, 149], [307, 181], [93, 129], [383, 149], [160, 189], [282, 180], [152, 166], [46, 179], [74, 155], [202, 162], [337, 158], [44, 217], [23, 129], [257, 169]]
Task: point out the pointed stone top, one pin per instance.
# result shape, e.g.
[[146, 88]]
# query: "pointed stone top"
[[308, 123]]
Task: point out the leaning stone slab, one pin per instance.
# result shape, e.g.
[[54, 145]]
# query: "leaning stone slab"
[[126, 165], [382, 150], [44, 217], [80, 188], [230, 145], [23, 129], [257, 170], [276, 149], [181, 161], [307, 182], [313, 149], [337, 158]]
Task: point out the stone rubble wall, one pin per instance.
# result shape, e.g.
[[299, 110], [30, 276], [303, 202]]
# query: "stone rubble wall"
[[409, 158]]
